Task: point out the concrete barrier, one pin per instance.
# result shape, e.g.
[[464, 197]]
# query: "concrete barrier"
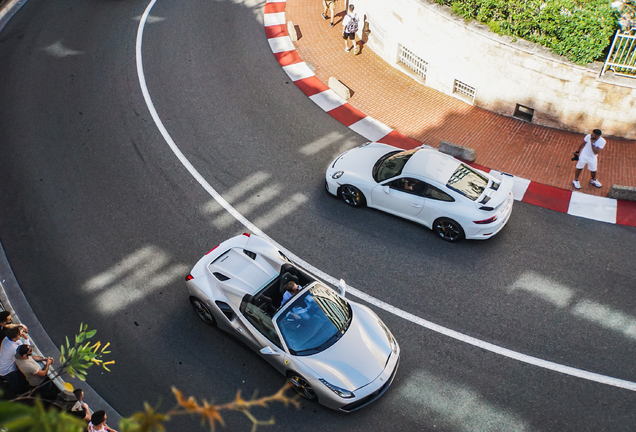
[[458, 151], [340, 89], [291, 29], [627, 193]]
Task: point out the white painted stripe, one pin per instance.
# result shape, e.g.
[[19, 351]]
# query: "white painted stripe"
[[593, 207], [328, 100], [519, 187], [275, 1], [371, 129], [281, 44], [271, 19], [372, 300], [298, 71]]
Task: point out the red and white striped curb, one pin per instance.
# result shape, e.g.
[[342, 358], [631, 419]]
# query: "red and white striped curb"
[[565, 201]]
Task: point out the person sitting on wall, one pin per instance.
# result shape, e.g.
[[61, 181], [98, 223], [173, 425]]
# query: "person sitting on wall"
[[35, 375]]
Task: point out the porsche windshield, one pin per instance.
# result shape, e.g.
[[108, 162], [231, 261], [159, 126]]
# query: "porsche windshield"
[[314, 321], [467, 182], [391, 165]]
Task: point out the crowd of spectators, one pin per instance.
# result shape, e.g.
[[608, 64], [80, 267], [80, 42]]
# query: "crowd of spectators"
[[24, 375]]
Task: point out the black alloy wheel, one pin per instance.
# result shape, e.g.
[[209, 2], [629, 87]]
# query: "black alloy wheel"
[[448, 230], [302, 387], [203, 311], [352, 196]]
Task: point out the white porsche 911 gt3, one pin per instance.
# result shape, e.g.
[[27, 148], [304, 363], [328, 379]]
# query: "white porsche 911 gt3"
[[428, 187], [329, 348]]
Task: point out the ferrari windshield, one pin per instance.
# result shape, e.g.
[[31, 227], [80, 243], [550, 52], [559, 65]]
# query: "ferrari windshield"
[[314, 321], [391, 165]]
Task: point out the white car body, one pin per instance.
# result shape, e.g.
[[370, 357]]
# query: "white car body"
[[480, 218], [358, 360]]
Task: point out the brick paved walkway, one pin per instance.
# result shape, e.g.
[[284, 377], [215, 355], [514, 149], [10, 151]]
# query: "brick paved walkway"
[[381, 91]]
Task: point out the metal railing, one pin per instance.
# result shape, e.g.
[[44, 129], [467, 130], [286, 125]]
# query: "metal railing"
[[464, 90], [622, 56], [413, 62]]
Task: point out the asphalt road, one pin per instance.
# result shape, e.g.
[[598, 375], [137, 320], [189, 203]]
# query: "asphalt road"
[[101, 222]]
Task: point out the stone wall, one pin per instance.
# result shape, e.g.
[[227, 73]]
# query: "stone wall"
[[503, 72]]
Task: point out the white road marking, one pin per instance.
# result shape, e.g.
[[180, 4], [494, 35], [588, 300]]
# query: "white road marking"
[[593, 207], [371, 129], [556, 367], [327, 100], [281, 44], [274, 19], [298, 71]]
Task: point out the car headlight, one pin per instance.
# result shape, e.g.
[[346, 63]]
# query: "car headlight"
[[337, 390], [392, 341], [337, 175]]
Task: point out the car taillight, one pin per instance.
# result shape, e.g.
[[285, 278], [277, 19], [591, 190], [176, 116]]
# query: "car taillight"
[[246, 234], [189, 277], [212, 249], [486, 221]]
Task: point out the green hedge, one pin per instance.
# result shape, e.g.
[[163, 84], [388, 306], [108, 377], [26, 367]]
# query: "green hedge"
[[579, 30]]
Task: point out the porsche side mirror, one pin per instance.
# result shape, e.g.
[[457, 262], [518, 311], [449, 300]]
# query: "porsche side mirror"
[[343, 287], [386, 189], [269, 351]]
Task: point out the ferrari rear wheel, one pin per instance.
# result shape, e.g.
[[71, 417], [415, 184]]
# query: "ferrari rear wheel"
[[302, 387], [352, 196], [203, 311]]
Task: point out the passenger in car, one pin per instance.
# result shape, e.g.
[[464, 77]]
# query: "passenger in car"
[[291, 289]]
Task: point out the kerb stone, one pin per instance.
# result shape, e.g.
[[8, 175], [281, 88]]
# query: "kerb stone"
[[291, 29], [627, 193], [458, 151], [340, 89]]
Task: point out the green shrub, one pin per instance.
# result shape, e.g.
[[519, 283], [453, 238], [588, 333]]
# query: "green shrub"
[[580, 30]]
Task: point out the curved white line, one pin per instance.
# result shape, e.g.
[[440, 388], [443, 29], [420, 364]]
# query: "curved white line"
[[603, 379]]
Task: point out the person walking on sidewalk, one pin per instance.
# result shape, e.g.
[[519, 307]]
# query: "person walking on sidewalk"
[[330, 6], [588, 154], [349, 29]]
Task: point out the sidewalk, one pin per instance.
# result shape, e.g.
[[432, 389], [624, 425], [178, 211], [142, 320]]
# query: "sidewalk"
[[533, 152]]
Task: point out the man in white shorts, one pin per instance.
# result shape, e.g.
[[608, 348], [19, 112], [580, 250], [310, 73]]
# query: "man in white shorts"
[[588, 153]]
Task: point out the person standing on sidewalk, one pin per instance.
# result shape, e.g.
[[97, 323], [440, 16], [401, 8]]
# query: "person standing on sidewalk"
[[330, 6], [6, 322], [349, 29], [8, 368], [588, 153]]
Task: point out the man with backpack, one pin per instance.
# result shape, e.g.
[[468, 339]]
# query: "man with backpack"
[[349, 29]]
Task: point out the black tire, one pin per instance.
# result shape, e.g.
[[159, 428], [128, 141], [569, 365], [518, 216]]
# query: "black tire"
[[352, 196], [301, 386], [203, 311], [448, 230]]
